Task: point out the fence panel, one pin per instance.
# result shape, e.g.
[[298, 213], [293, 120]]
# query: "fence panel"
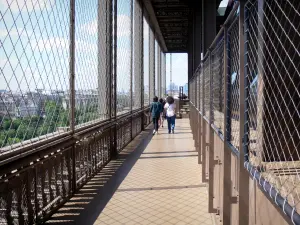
[[34, 75], [273, 95]]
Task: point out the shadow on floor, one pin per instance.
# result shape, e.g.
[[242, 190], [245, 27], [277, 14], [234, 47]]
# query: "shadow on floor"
[[91, 199]]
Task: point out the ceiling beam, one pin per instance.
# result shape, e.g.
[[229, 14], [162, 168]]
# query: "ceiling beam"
[[154, 24]]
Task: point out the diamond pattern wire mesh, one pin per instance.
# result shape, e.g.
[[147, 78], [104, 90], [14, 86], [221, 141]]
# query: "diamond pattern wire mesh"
[[206, 88], [200, 96], [192, 85], [124, 55], [34, 53], [90, 76], [273, 96], [217, 70], [233, 73], [137, 57], [146, 63]]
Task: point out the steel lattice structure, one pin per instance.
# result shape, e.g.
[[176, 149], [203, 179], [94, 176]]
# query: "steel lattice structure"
[[245, 108]]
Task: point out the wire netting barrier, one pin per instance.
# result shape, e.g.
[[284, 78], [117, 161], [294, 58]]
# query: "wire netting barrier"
[[206, 88], [234, 79], [34, 74], [124, 55], [146, 42], [273, 94], [217, 95], [91, 81], [192, 90], [200, 96], [59, 59]]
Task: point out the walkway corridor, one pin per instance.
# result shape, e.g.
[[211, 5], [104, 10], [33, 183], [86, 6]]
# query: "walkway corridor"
[[157, 183]]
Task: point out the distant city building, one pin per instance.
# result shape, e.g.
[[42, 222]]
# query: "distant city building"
[[27, 108], [7, 108]]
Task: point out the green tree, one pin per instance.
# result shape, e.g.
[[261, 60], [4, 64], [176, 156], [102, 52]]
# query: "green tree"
[[16, 123], [6, 124], [21, 132], [11, 133], [11, 141]]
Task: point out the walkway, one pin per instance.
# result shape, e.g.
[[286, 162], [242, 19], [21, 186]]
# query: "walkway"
[[157, 183]]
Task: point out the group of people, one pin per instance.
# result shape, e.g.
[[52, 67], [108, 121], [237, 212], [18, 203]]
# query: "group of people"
[[163, 109]]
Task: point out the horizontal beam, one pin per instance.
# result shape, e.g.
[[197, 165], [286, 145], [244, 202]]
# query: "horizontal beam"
[[154, 24]]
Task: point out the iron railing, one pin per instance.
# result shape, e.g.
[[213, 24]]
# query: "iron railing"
[[245, 112]]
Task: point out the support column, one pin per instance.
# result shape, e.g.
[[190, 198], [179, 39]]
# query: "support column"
[[197, 38], [138, 55], [151, 64], [163, 76], [113, 80], [104, 57], [158, 72], [243, 198], [209, 18], [191, 49]]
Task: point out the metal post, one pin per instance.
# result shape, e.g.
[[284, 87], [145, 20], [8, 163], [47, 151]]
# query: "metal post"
[[211, 155], [72, 65], [226, 159], [243, 196], [72, 87], [142, 66], [131, 65], [203, 122], [114, 150]]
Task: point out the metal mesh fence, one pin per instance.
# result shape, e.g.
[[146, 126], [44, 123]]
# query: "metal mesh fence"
[[273, 96], [234, 79], [34, 73], [90, 62], [217, 74], [201, 91], [124, 55], [206, 87], [146, 63]]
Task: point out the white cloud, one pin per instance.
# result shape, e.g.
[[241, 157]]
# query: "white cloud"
[[25, 5], [15, 32], [123, 25], [50, 43]]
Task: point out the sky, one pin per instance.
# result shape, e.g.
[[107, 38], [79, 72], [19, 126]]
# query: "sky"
[[34, 50]]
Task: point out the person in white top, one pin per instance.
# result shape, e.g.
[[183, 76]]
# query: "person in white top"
[[170, 113]]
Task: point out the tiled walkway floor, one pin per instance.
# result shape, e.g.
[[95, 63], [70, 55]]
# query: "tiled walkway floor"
[[160, 184]]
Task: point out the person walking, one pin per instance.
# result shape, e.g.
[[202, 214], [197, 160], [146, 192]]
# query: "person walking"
[[170, 113], [155, 110], [162, 114]]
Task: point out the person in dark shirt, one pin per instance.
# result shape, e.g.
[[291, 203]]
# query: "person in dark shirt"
[[155, 110]]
